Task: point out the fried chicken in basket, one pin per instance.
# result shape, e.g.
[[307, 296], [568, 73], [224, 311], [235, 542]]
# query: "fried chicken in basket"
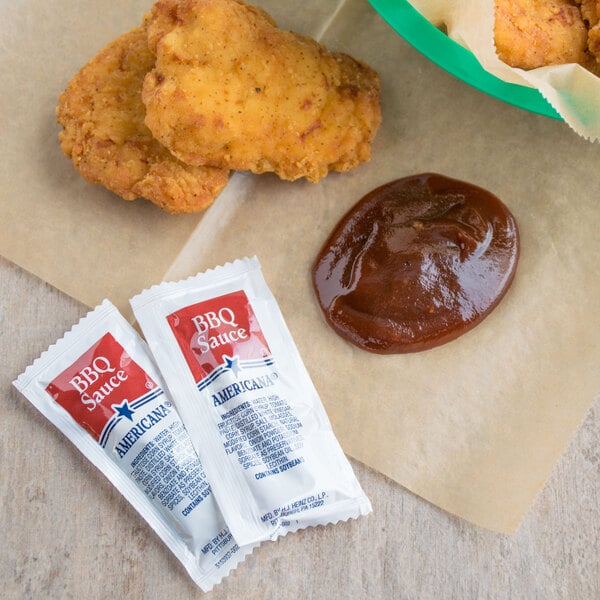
[[536, 33], [104, 133], [231, 90]]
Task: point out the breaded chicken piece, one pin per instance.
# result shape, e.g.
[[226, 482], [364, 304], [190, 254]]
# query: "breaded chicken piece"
[[536, 33], [231, 89], [594, 46], [104, 133], [590, 12]]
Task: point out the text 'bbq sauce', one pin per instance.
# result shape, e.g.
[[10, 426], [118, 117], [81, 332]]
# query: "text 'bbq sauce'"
[[416, 263]]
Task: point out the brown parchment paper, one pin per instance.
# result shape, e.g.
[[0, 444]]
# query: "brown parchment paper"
[[474, 426]]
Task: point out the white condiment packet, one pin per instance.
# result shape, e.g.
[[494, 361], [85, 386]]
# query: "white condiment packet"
[[573, 91], [99, 385], [248, 403]]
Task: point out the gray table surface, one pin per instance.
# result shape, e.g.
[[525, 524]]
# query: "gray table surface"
[[67, 533]]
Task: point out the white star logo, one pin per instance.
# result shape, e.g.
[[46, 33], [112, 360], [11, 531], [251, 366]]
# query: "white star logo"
[[232, 363]]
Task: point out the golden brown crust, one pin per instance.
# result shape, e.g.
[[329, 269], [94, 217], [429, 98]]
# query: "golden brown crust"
[[536, 33], [231, 89], [590, 12], [104, 133]]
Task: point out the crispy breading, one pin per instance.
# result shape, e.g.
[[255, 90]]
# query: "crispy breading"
[[589, 11], [536, 33], [231, 89], [104, 133]]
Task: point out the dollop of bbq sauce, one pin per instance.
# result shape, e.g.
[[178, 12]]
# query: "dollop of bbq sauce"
[[416, 263]]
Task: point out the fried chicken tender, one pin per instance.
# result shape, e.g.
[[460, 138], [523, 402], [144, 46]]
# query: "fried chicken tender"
[[104, 133], [536, 33], [231, 89], [590, 12]]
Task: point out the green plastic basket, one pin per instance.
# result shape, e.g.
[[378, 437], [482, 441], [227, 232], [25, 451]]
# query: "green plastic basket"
[[451, 56]]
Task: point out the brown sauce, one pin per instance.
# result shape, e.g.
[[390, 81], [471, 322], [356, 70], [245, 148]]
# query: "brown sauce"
[[416, 263]]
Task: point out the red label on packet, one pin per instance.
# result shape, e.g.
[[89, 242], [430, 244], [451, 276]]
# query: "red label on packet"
[[217, 332], [99, 385], [251, 410], [103, 384]]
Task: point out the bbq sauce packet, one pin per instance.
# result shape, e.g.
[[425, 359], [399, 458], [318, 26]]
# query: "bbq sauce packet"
[[100, 387], [249, 405]]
